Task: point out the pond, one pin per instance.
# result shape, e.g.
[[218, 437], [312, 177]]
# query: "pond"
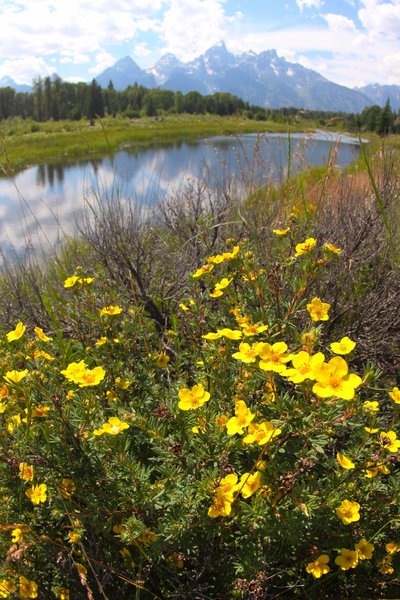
[[41, 204]]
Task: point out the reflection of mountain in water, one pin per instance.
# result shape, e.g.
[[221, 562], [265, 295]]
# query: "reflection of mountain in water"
[[39, 205]]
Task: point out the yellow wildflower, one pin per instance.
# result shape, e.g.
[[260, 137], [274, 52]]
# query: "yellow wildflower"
[[250, 329], [345, 346], [392, 547], [395, 395], [37, 493], [101, 341], [113, 427], [16, 535], [371, 406], [347, 559], [231, 334], [40, 411], [63, 594], [247, 354], [41, 335], [162, 360], [273, 357], [224, 496], [221, 285], [13, 422], [242, 419], [15, 376], [364, 549], [111, 395], [344, 461], [261, 433], [74, 537], [110, 310], [389, 441], [192, 398], [319, 566], [221, 421], [202, 270], [303, 366], [122, 384], [27, 589], [78, 373], [16, 333], [332, 248], [385, 566], [348, 512], [42, 354], [7, 587], [281, 231], [249, 483], [333, 379], [371, 430], [71, 281], [318, 310], [26, 471], [305, 247]]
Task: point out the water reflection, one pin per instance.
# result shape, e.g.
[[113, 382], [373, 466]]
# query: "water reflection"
[[39, 206]]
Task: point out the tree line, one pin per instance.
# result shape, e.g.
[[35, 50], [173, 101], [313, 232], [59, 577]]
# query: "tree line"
[[53, 98]]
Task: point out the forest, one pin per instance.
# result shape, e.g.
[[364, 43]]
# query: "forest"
[[55, 99]]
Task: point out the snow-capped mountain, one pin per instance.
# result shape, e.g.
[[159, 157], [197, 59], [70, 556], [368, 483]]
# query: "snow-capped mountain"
[[264, 79], [164, 68]]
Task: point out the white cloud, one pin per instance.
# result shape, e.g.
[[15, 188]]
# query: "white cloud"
[[189, 27], [339, 23], [380, 18], [25, 68], [141, 50], [74, 29], [309, 4], [103, 61]]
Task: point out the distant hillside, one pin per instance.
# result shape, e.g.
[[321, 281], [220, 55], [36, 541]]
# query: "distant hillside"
[[379, 94]]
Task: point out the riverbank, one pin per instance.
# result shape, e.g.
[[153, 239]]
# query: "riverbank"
[[24, 143]]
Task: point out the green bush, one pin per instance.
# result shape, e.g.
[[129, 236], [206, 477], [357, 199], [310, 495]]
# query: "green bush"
[[236, 453]]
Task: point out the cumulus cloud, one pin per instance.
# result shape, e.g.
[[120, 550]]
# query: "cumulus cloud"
[[26, 68], [380, 18], [189, 27], [339, 23], [37, 37], [103, 61]]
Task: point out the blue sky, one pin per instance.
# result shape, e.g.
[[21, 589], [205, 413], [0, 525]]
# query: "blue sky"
[[352, 42]]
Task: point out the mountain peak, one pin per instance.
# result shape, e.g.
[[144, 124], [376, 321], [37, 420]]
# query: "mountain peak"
[[263, 79]]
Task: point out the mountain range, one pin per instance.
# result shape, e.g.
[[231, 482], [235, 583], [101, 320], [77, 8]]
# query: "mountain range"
[[263, 79]]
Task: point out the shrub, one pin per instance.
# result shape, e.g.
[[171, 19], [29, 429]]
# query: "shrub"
[[236, 455]]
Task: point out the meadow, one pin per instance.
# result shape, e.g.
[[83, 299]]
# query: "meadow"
[[201, 401]]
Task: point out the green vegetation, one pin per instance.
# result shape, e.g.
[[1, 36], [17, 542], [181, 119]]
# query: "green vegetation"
[[25, 142], [202, 401]]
